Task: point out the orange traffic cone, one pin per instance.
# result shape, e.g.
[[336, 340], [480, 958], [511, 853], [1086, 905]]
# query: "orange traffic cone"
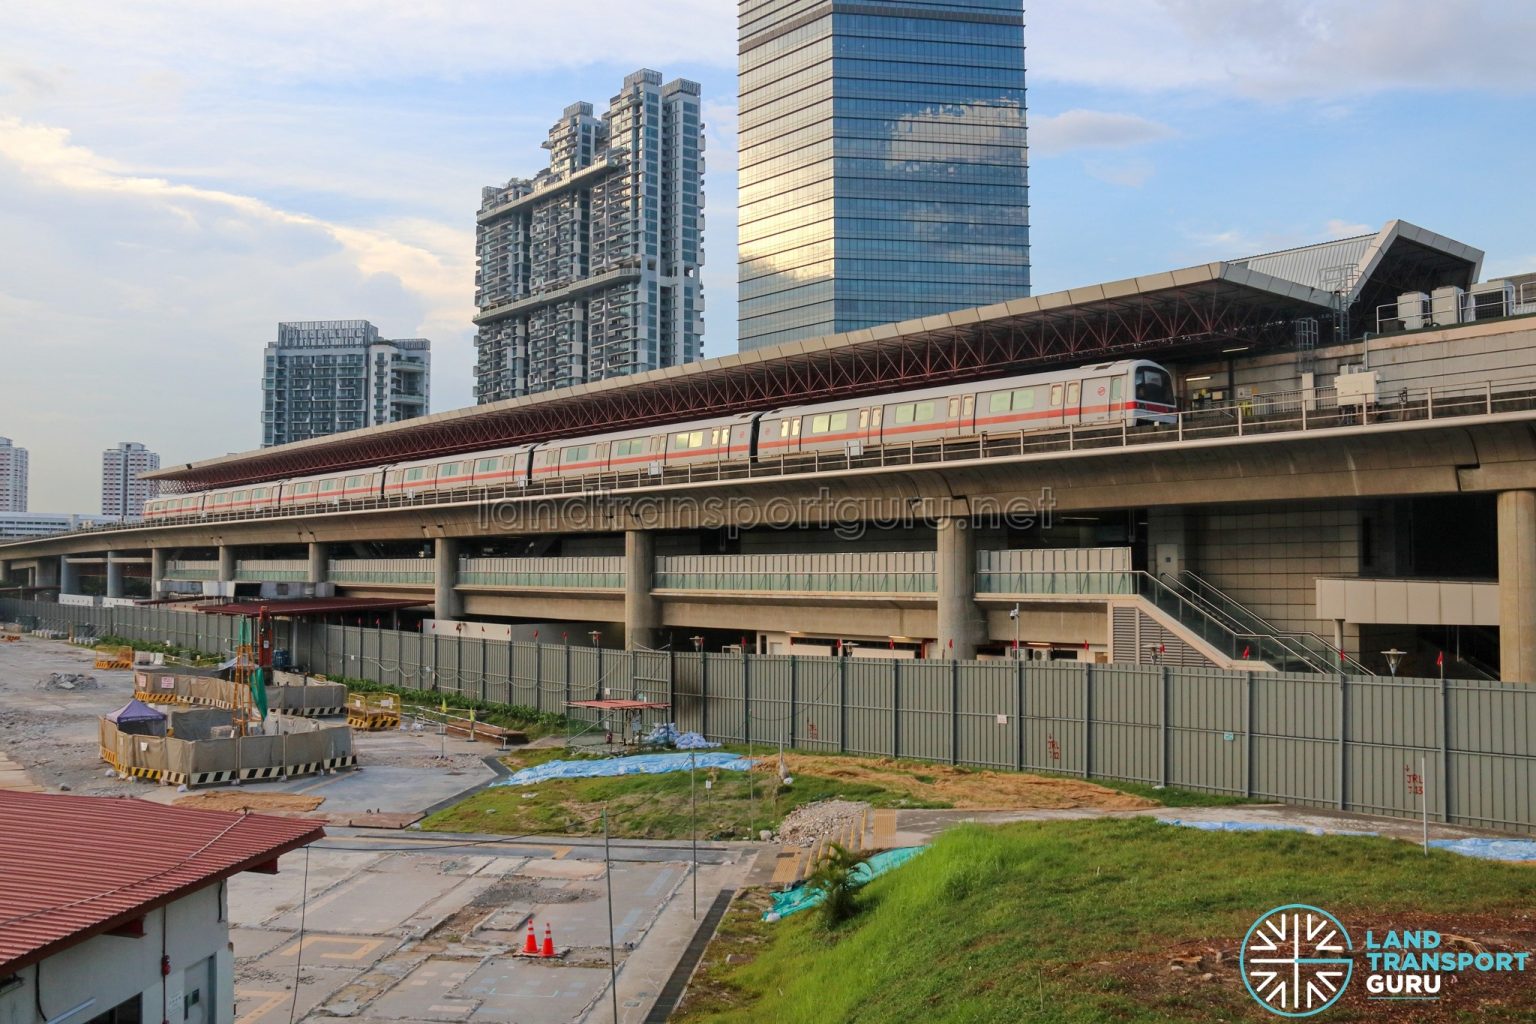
[[549, 942], [531, 945]]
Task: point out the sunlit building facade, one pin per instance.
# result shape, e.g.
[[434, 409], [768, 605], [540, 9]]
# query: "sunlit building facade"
[[883, 163]]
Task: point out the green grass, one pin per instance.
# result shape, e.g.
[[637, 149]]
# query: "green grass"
[[651, 806], [530, 721], [1168, 796], [1076, 922]]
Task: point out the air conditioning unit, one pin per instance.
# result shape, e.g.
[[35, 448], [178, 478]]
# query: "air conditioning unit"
[[1413, 310], [1445, 305], [1491, 300], [1352, 390]]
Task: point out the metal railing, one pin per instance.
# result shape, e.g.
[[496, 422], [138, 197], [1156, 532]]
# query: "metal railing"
[[1308, 651], [1045, 584], [192, 571], [1276, 413]]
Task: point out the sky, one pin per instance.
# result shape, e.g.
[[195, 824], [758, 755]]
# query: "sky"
[[177, 176]]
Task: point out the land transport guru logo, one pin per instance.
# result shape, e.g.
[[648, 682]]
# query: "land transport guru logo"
[[1297, 960]]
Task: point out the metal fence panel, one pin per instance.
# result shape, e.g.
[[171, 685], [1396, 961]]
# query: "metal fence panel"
[[817, 723], [1207, 743], [1296, 723], [1055, 705], [925, 721], [1128, 728], [987, 715], [872, 698]]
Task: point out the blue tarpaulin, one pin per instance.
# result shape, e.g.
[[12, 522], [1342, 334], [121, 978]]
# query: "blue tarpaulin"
[[642, 764], [1233, 826], [792, 901], [1489, 849]]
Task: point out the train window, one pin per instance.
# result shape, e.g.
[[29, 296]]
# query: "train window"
[[357, 481], [1116, 392], [1002, 401], [1074, 393], [1055, 396], [487, 465], [878, 411], [904, 413], [452, 468], [839, 421], [820, 424], [696, 439], [1152, 385], [242, 495], [924, 412], [794, 427], [329, 485], [1023, 399], [863, 418], [954, 407], [783, 428]]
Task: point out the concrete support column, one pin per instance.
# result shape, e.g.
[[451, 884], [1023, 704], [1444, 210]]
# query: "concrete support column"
[[159, 559], [1517, 586], [642, 612], [69, 576], [114, 576], [445, 599], [227, 562], [46, 572], [961, 625], [5, 570], [319, 562]]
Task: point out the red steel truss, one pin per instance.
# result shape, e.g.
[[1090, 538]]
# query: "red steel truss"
[[1156, 324]]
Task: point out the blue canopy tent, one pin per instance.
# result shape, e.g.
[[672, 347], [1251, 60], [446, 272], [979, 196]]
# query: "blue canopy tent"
[[138, 719]]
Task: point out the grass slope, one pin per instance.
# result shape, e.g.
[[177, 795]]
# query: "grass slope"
[[1077, 921], [652, 806]]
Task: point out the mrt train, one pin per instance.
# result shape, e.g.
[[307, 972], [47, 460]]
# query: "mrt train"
[[1131, 391]]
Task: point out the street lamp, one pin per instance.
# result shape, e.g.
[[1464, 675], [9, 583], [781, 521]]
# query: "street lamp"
[[698, 643], [597, 637], [1014, 615], [1394, 658]]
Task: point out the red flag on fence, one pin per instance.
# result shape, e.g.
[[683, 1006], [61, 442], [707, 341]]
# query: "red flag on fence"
[[535, 634], [1245, 653], [893, 643], [1085, 645]]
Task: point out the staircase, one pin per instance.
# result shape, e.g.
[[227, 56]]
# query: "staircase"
[[1285, 650]]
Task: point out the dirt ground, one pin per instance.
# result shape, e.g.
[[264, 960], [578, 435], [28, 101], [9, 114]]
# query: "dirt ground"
[[246, 800], [1183, 972], [52, 734], [962, 787]]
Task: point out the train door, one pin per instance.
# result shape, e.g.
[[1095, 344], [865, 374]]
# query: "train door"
[[1058, 404], [1074, 407], [600, 456], [968, 415], [1096, 404]]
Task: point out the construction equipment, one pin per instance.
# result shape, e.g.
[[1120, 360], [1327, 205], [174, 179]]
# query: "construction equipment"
[[373, 712]]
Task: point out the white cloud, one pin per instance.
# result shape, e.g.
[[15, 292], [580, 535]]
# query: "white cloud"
[[1055, 134], [1281, 50], [136, 307]]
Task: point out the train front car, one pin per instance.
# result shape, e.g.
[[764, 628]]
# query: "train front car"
[[1151, 395]]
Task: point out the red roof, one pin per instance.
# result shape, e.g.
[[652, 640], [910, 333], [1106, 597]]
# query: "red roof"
[[314, 606], [77, 866]]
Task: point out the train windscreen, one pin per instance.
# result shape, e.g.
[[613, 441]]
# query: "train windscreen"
[[1153, 385]]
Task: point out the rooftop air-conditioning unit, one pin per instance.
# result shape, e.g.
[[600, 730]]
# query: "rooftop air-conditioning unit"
[[1445, 305], [1491, 300], [1413, 310]]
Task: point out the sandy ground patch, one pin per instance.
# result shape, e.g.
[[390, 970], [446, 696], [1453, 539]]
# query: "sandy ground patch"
[[245, 800], [964, 788]]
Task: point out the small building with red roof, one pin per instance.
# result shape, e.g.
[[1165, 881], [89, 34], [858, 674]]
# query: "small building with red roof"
[[113, 910]]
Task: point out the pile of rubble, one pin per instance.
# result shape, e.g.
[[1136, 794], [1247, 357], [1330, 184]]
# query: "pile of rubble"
[[68, 681], [807, 824]]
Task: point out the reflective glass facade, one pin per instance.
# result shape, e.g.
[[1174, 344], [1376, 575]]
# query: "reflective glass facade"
[[883, 162]]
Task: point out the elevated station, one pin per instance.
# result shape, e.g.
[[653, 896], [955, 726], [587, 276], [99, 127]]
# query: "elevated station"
[[1352, 472]]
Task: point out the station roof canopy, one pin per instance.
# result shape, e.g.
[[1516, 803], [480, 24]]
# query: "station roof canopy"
[[1254, 301], [313, 607], [81, 866]]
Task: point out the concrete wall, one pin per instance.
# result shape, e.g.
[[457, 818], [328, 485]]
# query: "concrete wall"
[[1270, 558], [108, 970]]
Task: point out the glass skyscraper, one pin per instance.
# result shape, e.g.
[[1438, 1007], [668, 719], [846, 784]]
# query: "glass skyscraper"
[[883, 162]]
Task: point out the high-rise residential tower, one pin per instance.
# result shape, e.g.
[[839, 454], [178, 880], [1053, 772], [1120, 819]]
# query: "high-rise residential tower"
[[13, 477], [123, 494], [591, 268], [326, 376], [883, 162]]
